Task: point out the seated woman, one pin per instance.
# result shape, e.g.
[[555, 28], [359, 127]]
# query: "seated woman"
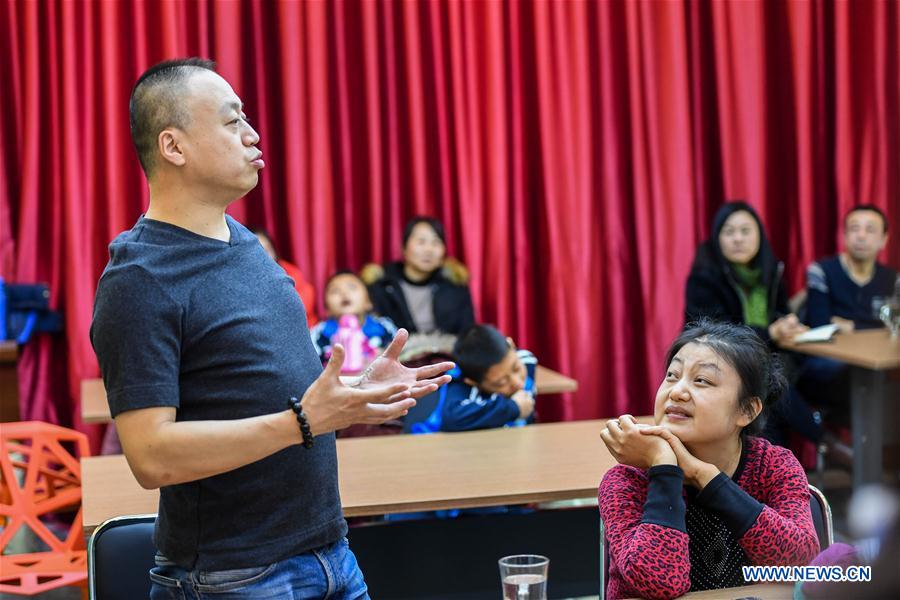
[[696, 497], [426, 292], [737, 278]]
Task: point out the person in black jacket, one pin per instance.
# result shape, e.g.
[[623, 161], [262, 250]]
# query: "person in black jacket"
[[736, 278], [425, 292]]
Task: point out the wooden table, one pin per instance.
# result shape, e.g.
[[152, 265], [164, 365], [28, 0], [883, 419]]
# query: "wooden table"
[[9, 381], [871, 354], [538, 463], [549, 381], [94, 408]]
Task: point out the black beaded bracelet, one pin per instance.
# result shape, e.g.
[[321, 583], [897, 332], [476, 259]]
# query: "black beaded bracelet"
[[301, 420]]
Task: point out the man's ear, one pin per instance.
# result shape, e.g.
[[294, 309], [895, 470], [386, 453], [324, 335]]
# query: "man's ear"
[[169, 144]]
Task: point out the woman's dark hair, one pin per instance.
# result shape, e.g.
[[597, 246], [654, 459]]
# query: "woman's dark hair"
[[764, 258], [435, 225], [760, 371], [478, 349]]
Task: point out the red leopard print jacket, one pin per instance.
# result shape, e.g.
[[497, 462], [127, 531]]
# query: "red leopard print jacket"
[[652, 561]]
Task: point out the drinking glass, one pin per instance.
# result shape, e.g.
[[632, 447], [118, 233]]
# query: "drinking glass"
[[890, 315], [877, 303], [524, 577]]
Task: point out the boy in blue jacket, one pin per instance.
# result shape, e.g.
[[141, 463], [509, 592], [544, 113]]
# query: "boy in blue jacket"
[[493, 384]]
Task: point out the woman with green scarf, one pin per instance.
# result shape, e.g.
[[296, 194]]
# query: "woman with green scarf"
[[736, 278]]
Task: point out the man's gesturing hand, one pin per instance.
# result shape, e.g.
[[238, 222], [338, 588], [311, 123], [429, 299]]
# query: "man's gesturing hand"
[[385, 391]]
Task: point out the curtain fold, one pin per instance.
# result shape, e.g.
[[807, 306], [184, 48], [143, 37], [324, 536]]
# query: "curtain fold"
[[576, 152]]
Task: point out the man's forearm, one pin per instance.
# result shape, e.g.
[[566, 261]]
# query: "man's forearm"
[[165, 452]]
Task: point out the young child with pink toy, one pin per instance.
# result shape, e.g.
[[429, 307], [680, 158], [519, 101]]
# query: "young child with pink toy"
[[351, 323]]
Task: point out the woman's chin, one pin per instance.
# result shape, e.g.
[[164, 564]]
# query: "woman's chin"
[[681, 428], [673, 427]]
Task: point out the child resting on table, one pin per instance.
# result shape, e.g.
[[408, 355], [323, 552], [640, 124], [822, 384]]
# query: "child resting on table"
[[493, 384], [695, 497], [351, 323]]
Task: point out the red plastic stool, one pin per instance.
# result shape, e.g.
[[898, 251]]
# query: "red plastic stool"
[[39, 476]]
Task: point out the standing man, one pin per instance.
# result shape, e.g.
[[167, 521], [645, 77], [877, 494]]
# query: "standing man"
[[840, 289], [203, 344]]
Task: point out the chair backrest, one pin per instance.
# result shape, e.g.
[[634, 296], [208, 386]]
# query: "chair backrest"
[[797, 305], [120, 556], [604, 561], [40, 476], [421, 411], [821, 514]]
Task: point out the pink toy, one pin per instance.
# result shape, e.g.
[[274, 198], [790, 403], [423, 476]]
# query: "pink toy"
[[358, 352]]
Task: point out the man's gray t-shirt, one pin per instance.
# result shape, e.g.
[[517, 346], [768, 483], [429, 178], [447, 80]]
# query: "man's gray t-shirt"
[[217, 330]]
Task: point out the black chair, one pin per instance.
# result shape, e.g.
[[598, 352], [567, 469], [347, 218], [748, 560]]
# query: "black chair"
[[421, 411], [818, 505], [120, 556]]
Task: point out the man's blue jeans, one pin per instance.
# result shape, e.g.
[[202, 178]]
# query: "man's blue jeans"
[[329, 572]]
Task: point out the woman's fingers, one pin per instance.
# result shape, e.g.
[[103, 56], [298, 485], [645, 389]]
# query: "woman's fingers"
[[652, 430], [608, 440], [658, 430], [674, 442], [667, 435]]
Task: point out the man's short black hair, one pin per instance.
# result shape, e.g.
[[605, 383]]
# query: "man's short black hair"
[[478, 349], [157, 102], [870, 208]]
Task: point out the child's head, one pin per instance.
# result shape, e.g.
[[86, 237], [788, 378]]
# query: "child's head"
[[488, 361], [719, 378], [346, 294]]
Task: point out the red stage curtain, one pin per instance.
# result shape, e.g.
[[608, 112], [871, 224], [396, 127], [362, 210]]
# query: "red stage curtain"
[[575, 150]]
